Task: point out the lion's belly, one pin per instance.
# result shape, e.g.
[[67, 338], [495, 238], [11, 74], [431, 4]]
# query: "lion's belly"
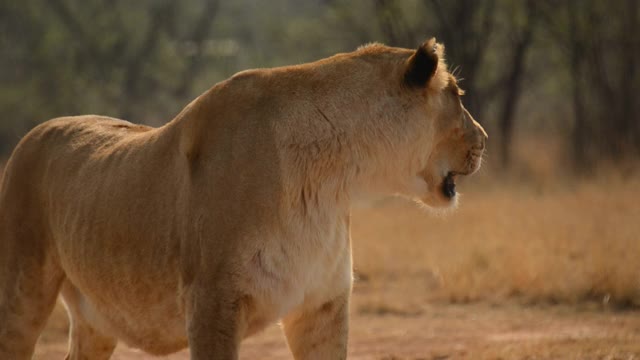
[[131, 294], [145, 317]]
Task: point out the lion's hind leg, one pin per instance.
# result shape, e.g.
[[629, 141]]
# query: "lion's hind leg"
[[30, 280], [85, 340]]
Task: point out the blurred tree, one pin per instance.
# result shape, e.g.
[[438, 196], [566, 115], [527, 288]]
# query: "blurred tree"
[[136, 61], [601, 57], [522, 26], [133, 87], [158, 21], [198, 35], [394, 26], [144, 60], [466, 27]]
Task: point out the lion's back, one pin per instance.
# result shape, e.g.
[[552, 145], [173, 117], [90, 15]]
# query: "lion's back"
[[48, 160], [67, 138], [80, 133]]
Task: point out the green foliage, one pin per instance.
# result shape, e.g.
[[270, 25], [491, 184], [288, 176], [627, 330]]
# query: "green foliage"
[[144, 60]]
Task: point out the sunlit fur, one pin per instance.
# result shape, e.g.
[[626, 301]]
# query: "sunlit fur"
[[232, 216]]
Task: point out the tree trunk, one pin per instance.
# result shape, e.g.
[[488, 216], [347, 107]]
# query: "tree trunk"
[[513, 87], [628, 81], [580, 123]]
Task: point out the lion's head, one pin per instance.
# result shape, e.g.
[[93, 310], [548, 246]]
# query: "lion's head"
[[457, 141], [439, 140]]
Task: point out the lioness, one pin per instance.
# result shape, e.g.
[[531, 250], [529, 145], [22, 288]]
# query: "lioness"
[[233, 215]]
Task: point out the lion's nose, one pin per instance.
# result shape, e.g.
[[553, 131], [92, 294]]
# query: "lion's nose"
[[482, 132], [481, 135], [481, 142], [476, 131]]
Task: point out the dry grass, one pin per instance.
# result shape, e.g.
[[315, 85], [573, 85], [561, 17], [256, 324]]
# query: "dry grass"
[[536, 239]]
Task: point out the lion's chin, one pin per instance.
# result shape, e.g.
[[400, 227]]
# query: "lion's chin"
[[438, 204], [440, 194], [437, 201]]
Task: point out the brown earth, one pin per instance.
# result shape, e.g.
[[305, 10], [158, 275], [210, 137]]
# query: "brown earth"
[[381, 330]]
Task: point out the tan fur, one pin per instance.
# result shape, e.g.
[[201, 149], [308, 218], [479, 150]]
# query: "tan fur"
[[232, 216]]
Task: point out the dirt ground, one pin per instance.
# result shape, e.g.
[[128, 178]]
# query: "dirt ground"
[[386, 326]]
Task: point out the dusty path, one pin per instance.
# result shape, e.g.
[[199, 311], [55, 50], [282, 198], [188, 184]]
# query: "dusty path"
[[441, 331]]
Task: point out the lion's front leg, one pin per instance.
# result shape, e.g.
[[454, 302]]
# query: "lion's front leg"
[[320, 333], [216, 323]]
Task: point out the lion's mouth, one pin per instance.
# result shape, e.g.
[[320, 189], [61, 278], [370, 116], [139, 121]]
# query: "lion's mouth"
[[449, 185]]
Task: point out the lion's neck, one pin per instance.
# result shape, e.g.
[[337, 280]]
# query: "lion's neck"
[[332, 142]]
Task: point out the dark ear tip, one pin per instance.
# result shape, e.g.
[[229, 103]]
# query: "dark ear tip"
[[431, 45], [422, 64]]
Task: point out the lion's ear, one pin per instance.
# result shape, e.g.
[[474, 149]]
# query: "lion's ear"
[[423, 64]]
